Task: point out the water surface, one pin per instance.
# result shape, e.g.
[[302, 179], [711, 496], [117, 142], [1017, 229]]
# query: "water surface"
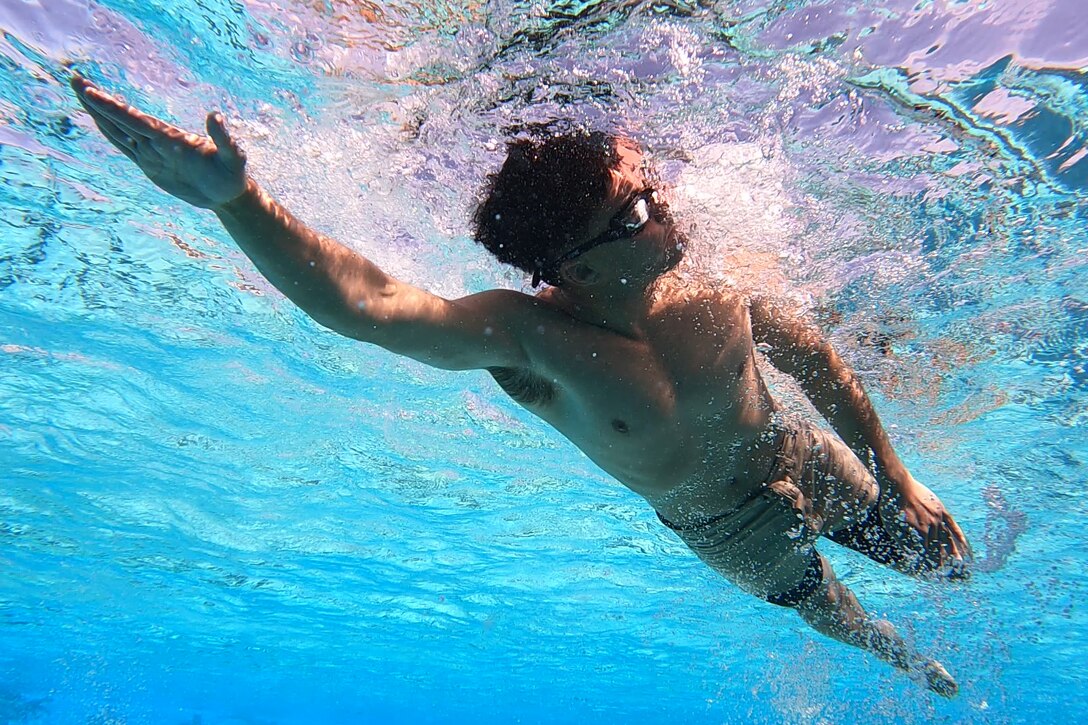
[[214, 511]]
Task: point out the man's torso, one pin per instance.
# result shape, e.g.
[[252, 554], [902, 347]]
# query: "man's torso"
[[678, 413]]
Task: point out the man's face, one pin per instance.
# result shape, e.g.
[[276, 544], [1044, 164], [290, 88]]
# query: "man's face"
[[638, 238]]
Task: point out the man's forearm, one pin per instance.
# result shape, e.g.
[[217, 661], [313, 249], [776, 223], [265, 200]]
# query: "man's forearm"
[[837, 392], [327, 280]]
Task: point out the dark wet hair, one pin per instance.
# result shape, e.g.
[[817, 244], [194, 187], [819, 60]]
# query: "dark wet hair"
[[546, 190]]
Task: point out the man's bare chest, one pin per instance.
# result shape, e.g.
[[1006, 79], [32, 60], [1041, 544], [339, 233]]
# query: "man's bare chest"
[[643, 408]]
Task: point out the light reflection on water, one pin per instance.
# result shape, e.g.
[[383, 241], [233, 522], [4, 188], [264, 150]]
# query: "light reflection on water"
[[207, 494]]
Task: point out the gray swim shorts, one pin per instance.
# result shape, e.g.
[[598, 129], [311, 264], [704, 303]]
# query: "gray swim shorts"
[[766, 544]]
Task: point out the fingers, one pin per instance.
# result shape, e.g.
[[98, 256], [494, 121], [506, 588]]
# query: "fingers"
[[954, 565], [952, 539], [959, 537], [123, 142], [227, 148], [947, 551], [938, 549], [143, 138], [934, 546], [119, 138], [79, 83], [930, 538], [134, 123]]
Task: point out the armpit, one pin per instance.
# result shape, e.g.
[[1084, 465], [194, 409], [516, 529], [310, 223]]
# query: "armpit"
[[523, 386]]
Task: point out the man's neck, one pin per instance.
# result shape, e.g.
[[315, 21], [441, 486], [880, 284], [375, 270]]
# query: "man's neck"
[[621, 308]]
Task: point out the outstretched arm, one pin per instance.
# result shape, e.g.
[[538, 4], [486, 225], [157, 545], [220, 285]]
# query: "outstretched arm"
[[349, 294], [336, 286], [801, 351]]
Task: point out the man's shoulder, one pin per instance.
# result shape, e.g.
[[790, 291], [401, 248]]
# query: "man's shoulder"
[[682, 292], [534, 320], [507, 303]]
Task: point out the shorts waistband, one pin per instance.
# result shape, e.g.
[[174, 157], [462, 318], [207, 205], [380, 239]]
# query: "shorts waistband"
[[785, 436]]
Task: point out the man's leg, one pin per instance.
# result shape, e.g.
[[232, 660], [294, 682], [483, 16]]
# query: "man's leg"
[[833, 610], [868, 537], [765, 547]]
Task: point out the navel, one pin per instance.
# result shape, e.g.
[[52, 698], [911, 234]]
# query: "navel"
[[619, 426]]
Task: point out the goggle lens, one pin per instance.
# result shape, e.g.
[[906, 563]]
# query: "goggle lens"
[[627, 223], [638, 214]]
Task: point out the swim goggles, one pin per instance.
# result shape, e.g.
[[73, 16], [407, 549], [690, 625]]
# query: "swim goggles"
[[628, 221]]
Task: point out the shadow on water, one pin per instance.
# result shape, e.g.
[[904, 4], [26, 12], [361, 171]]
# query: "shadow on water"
[[18, 707], [1004, 525]]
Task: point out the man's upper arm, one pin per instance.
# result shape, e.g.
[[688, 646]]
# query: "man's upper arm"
[[792, 345], [478, 331]]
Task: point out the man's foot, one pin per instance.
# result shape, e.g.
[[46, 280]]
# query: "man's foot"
[[936, 678]]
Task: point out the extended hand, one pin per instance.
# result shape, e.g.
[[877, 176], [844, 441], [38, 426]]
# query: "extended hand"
[[206, 171], [917, 519]]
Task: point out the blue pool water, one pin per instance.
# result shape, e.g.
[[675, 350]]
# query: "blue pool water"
[[214, 511]]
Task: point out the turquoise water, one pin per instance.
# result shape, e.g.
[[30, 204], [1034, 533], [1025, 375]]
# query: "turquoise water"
[[214, 511]]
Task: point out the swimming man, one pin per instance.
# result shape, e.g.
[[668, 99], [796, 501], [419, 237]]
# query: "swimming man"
[[653, 378]]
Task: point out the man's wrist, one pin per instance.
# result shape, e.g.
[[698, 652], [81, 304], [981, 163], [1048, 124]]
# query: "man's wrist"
[[896, 478], [250, 192]]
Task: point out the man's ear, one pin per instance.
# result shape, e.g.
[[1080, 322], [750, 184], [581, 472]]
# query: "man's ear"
[[578, 274]]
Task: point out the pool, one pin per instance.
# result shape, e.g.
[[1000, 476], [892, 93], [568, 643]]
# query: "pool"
[[215, 511]]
